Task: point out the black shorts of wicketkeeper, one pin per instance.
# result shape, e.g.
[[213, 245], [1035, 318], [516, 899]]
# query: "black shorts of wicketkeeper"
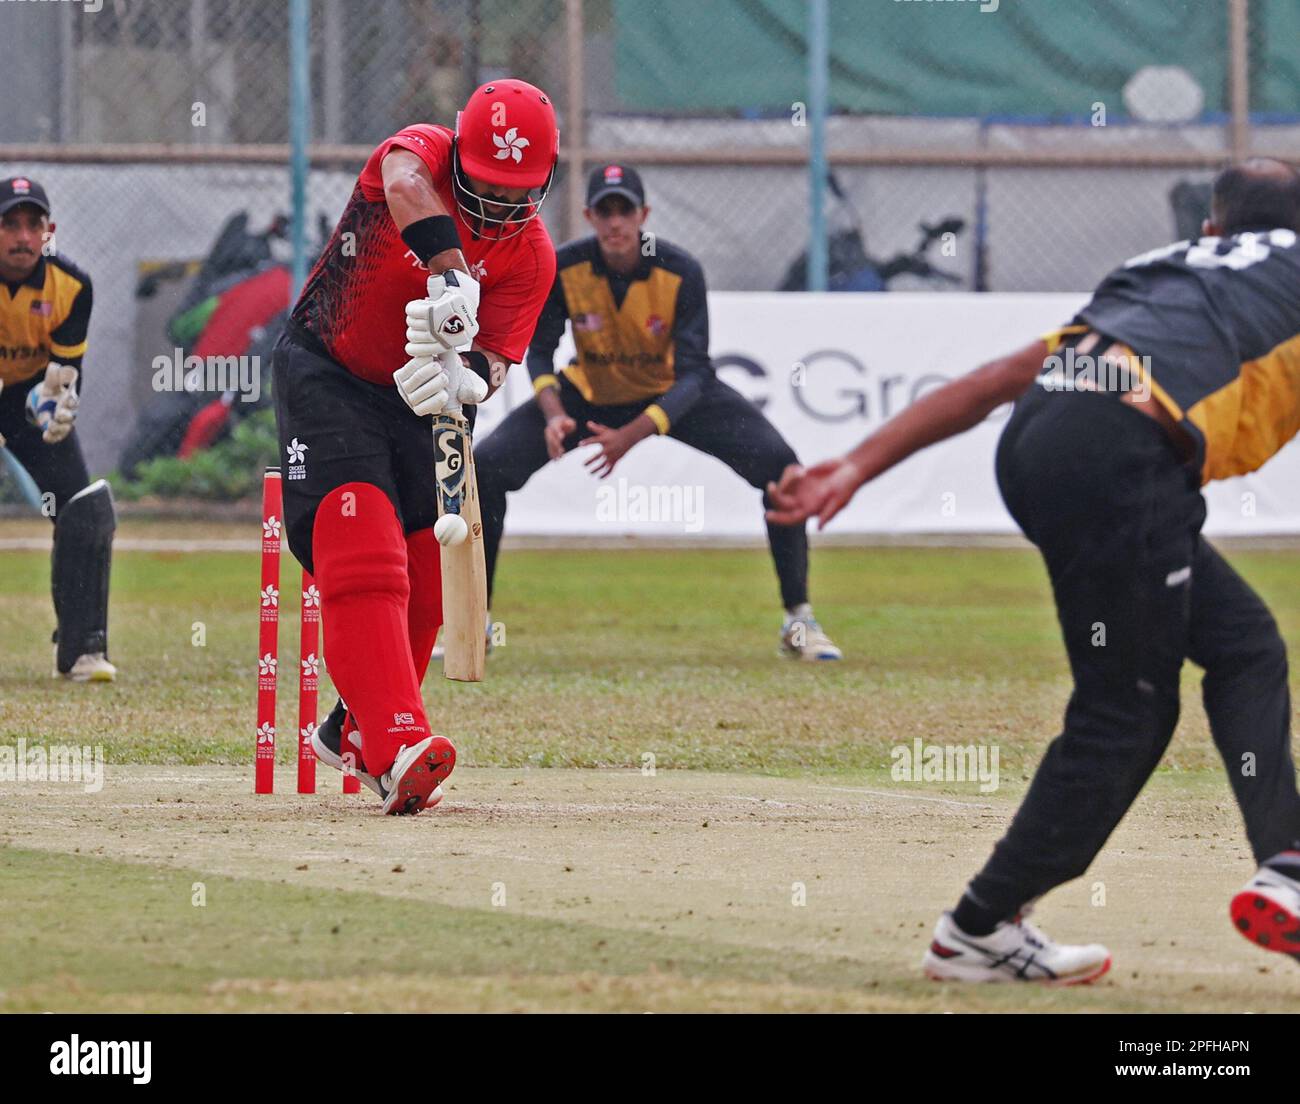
[[1101, 490], [336, 428], [721, 423]]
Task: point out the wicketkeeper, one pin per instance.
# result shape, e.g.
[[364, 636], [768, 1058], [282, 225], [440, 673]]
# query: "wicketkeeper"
[[1183, 368], [44, 316], [641, 326], [368, 355]]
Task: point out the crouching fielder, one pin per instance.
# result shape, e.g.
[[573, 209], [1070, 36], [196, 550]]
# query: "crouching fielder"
[[353, 420], [44, 315]]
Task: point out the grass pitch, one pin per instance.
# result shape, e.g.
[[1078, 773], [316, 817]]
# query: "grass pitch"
[[769, 861]]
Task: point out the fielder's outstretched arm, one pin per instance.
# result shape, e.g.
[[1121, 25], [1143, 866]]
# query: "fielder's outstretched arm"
[[825, 489]]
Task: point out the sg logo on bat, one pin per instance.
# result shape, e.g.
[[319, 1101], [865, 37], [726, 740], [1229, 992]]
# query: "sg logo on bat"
[[449, 465]]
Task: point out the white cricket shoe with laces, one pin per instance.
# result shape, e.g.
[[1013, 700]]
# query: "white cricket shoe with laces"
[[803, 638], [1014, 951], [91, 667]]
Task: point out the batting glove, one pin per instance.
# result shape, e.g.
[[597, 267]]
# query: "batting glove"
[[431, 385], [448, 318]]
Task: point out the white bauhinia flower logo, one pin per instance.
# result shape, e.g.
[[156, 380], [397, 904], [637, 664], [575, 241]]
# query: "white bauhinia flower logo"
[[311, 665], [307, 732], [271, 528], [266, 665], [311, 597], [271, 596], [297, 451], [510, 146], [266, 733]]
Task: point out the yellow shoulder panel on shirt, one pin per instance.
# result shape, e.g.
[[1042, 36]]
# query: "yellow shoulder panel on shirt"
[[1247, 422]]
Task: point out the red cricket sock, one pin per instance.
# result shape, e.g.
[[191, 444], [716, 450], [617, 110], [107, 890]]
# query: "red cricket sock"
[[424, 611], [359, 555]]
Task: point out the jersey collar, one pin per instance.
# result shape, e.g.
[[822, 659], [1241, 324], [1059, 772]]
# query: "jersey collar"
[[35, 280]]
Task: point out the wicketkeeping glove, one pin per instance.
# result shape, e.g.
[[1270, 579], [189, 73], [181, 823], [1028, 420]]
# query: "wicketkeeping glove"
[[52, 403]]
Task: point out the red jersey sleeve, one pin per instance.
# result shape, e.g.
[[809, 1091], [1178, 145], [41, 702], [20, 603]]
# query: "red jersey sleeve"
[[508, 312], [432, 144]]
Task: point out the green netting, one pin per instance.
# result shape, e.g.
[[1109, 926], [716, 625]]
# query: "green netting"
[[940, 57]]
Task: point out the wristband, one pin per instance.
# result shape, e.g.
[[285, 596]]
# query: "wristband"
[[541, 383], [477, 362], [430, 236]]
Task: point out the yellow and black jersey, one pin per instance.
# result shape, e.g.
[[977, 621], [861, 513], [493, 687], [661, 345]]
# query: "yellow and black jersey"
[[43, 318], [1219, 319], [639, 337]]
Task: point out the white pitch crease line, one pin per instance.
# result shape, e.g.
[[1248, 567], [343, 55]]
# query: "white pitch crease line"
[[911, 797]]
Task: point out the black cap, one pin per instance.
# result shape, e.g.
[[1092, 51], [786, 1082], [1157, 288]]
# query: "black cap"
[[22, 189], [622, 180]]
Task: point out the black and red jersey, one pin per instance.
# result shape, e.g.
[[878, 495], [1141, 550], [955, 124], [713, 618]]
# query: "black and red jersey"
[[354, 298]]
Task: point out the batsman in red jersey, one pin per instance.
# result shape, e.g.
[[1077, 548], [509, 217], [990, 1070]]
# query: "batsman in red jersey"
[[379, 340]]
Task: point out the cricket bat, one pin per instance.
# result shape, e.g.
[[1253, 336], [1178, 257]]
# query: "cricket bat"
[[464, 575]]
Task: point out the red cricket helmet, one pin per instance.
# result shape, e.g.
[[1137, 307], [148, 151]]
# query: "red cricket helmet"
[[506, 137]]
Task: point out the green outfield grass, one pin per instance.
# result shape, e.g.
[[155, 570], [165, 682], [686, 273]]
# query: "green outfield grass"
[[630, 891], [610, 655]]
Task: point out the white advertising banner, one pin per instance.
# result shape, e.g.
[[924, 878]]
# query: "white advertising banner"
[[827, 370]]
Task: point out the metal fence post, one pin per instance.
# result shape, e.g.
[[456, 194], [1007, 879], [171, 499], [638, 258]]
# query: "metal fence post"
[[1239, 76], [818, 94], [575, 140], [299, 130]]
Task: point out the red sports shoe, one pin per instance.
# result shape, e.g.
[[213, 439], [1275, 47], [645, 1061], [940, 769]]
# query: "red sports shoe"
[[1267, 910], [413, 781]]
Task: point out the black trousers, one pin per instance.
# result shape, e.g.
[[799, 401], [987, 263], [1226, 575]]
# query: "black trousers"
[[1099, 488], [722, 423], [59, 469]]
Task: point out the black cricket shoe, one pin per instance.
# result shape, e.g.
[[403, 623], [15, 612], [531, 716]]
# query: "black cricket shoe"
[[327, 743]]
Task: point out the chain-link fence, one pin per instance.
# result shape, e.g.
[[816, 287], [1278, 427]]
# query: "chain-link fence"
[[1063, 138]]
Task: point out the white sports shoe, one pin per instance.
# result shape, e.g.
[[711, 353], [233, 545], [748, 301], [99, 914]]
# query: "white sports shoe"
[[92, 667], [803, 638], [1267, 910], [1014, 951]]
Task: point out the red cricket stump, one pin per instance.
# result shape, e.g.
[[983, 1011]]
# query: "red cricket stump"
[[268, 633], [308, 683]]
